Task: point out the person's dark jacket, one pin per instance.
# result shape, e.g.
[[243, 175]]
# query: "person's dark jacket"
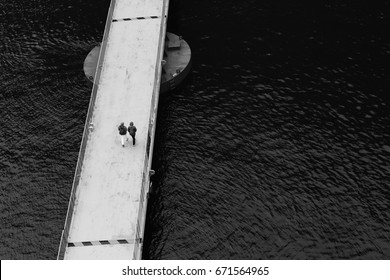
[[132, 130], [122, 129]]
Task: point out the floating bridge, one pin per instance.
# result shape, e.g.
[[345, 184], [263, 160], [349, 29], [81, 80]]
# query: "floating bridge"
[[108, 201]]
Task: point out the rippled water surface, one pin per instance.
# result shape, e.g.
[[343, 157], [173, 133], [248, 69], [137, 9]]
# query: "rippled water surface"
[[276, 147]]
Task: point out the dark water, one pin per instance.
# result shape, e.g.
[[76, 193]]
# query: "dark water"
[[276, 147]]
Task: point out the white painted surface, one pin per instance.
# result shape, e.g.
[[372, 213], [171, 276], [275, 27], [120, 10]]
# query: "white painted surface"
[[137, 8], [109, 190], [104, 252]]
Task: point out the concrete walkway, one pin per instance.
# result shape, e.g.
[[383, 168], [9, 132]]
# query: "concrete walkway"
[[105, 216]]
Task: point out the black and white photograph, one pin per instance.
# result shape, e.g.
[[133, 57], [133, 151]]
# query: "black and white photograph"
[[194, 130]]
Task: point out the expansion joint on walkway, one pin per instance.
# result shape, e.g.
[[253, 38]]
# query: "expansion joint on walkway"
[[135, 18], [104, 242]]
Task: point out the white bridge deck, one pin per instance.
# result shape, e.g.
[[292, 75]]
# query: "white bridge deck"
[[107, 218]]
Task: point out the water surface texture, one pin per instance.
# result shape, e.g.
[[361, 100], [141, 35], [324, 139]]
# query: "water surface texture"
[[276, 147]]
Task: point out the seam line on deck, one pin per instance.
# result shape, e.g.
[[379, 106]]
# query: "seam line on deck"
[[135, 18], [104, 242]]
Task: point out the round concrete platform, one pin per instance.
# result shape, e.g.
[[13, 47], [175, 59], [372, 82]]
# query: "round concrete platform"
[[176, 62]]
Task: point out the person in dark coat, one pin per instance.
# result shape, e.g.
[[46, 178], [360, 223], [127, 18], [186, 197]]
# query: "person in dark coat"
[[132, 130], [122, 132]]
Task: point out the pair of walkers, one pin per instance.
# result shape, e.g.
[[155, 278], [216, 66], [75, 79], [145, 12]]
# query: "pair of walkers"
[[123, 132]]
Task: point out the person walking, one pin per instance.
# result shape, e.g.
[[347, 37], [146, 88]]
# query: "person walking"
[[122, 132], [132, 130]]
